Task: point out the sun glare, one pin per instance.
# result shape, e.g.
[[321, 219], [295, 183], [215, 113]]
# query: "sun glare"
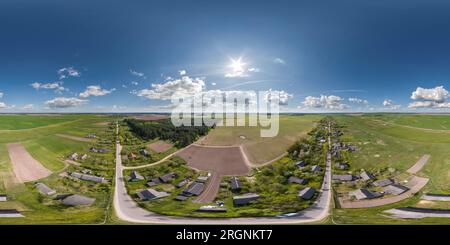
[[237, 65]]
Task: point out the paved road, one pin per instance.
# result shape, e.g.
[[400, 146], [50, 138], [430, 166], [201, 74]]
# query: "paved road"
[[128, 210]]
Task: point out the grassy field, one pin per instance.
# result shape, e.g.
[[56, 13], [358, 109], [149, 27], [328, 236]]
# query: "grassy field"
[[382, 145], [436, 122], [16, 122], [40, 140], [258, 149]]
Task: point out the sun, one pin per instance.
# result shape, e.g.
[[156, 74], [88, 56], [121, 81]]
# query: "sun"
[[237, 65]]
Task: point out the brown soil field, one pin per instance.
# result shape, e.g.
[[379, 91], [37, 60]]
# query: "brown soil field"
[[25, 167], [160, 146]]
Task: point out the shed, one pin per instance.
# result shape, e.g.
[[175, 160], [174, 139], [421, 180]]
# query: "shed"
[[202, 179], [245, 199], [181, 198], [3, 198], [235, 184], [315, 168], [307, 193], [300, 164], [167, 177], [44, 189], [342, 177], [181, 183]]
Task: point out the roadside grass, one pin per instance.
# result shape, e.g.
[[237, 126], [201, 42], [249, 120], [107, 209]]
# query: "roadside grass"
[[259, 149], [382, 146]]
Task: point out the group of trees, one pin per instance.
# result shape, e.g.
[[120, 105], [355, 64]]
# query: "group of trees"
[[164, 129]]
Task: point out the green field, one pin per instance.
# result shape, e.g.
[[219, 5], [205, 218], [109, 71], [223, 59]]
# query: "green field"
[[258, 149], [37, 134], [382, 144]]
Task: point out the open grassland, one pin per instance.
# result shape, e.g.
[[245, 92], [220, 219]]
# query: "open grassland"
[[51, 150], [17, 122], [383, 145], [434, 122], [258, 149]]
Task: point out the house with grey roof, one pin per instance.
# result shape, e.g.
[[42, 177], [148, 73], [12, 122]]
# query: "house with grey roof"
[[245, 199], [306, 193], [3, 198], [144, 152], [395, 189], [366, 176], [10, 213], [181, 183], [73, 156], [44, 189], [235, 184], [315, 168], [342, 177], [194, 189], [135, 176], [88, 177], [383, 182], [364, 193], [296, 180], [167, 177], [151, 194], [342, 165], [300, 164], [181, 198], [77, 200]]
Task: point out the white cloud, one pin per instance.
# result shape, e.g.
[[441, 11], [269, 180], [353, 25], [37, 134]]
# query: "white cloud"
[[1, 95], [64, 102], [282, 96], [2, 105], [331, 102], [68, 72], [134, 83], [182, 72], [95, 90], [28, 107], [139, 74], [253, 69], [358, 100], [438, 94], [164, 91], [56, 86], [390, 104], [279, 61], [435, 98], [214, 84]]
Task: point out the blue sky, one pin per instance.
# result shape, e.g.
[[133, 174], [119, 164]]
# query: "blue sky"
[[88, 56]]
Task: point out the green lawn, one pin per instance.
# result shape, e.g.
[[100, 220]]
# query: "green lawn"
[[382, 145]]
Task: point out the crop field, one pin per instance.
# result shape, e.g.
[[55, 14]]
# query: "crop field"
[[38, 135], [260, 150], [383, 144]]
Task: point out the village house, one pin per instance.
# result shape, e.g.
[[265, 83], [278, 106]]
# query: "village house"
[[342, 165], [245, 199], [366, 176], [202, 179], [363, 193], [315, 168], [135, 176], [3, 198], [151, 194], [343, 177], [395, 189], [167, 177], [181, 183], [300, 164], [296, 180], [74, 156], [383, 182], [88, 177], [194, 189], [144, 152], [307, 193]]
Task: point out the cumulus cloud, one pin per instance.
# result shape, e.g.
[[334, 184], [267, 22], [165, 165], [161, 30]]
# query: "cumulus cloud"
[[358, 100], [390, 104], [2, 105], [331, 102], [430, 98], [95, 90], [163, 91], [279, 61], [214, 84], [64, 102], [282, 96], [56, 86], [134, 83], [139, 74], [68, 72], [182, 72]]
